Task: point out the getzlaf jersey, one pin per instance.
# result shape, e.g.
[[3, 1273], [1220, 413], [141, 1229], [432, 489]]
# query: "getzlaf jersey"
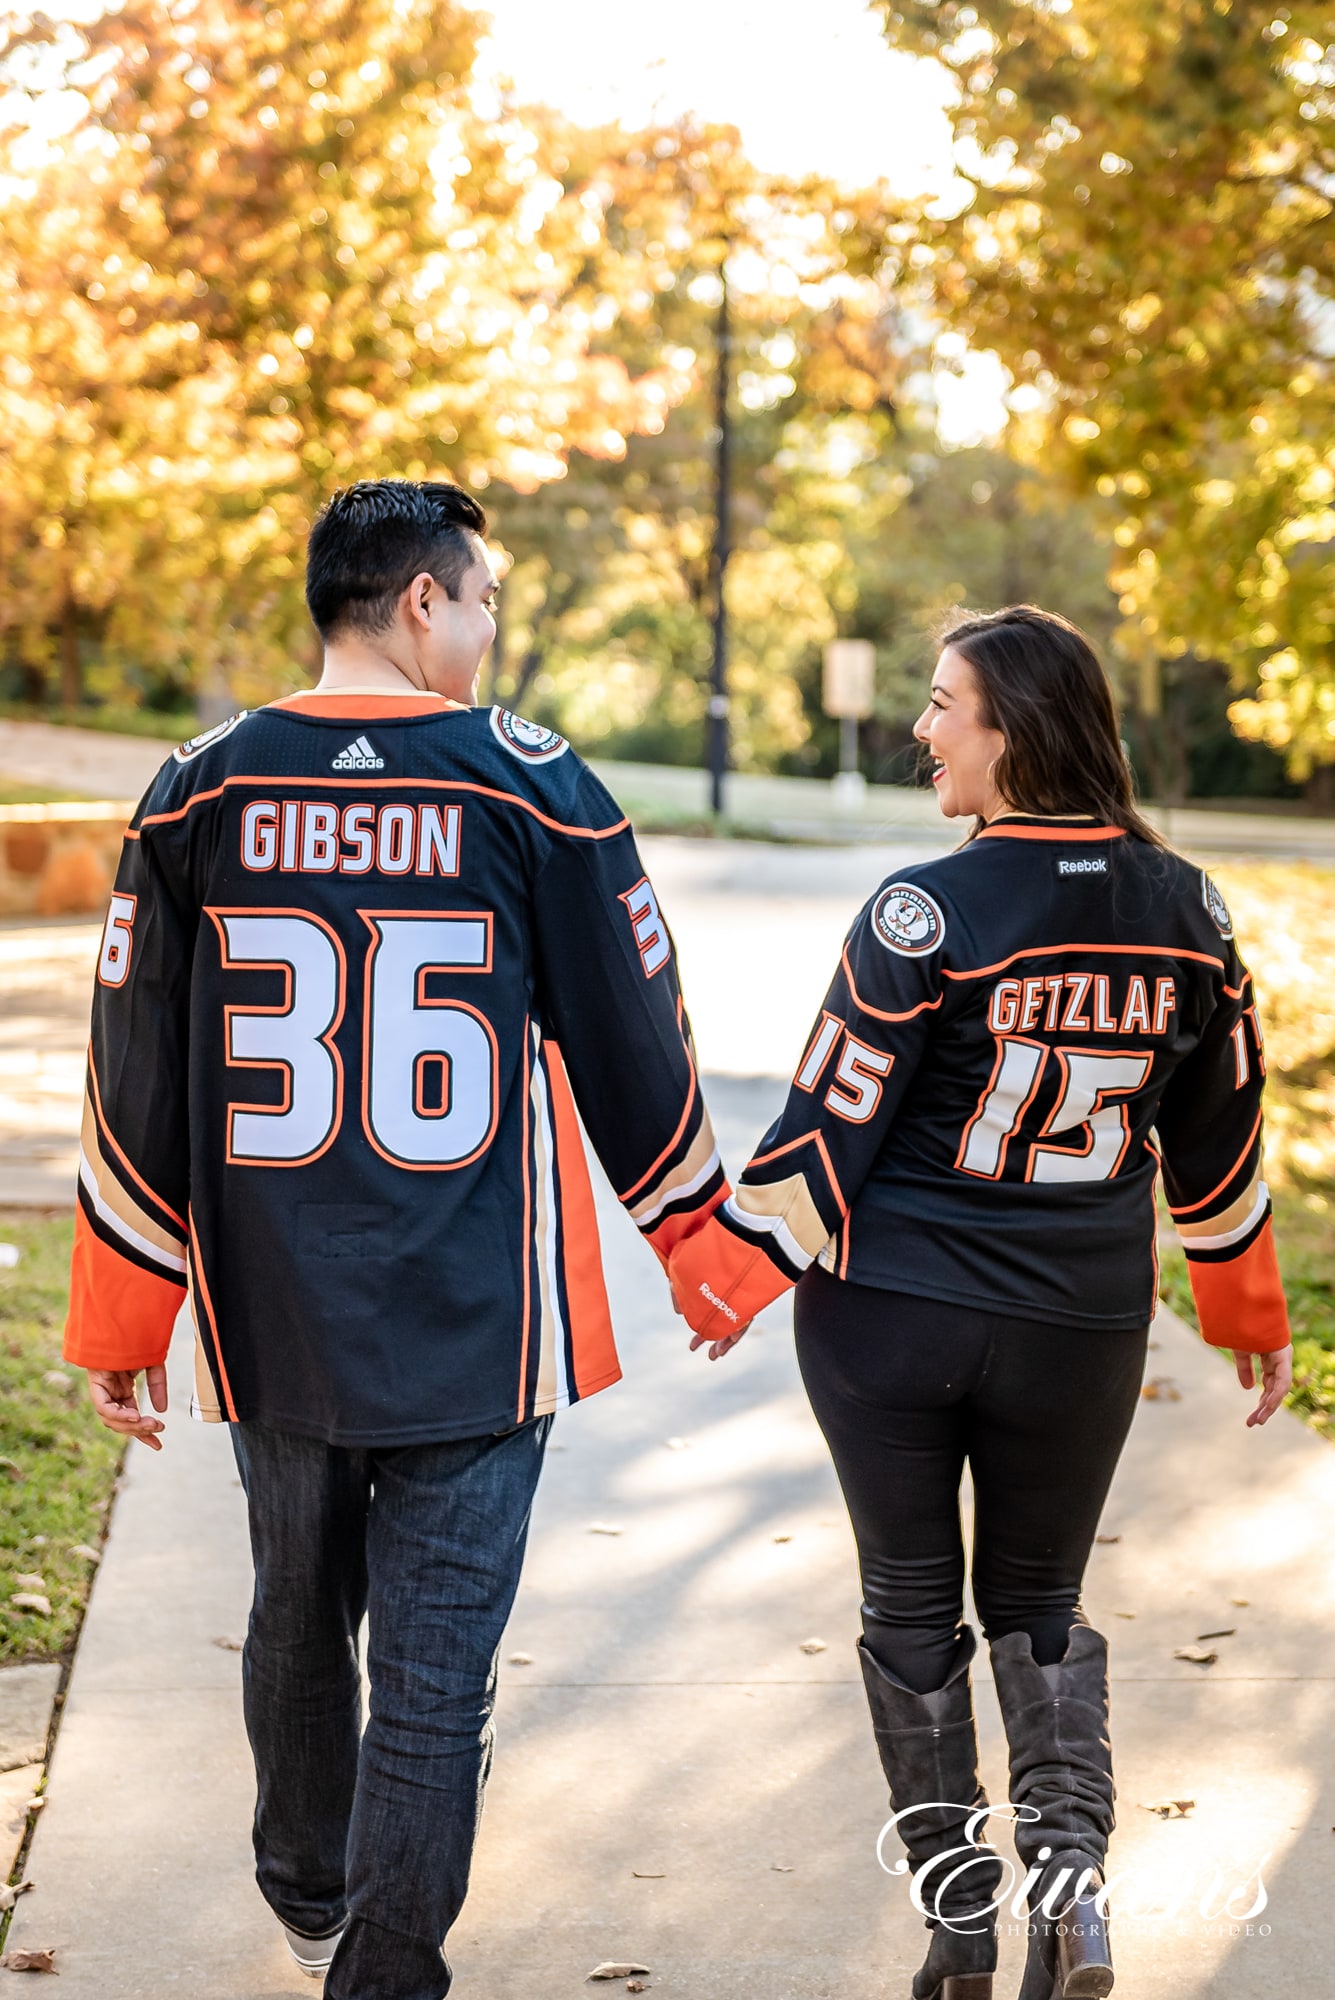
[[365, 957], [1018, 1036]]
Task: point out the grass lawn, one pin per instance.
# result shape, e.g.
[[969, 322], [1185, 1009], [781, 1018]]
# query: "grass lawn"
[[57, 1465], [171, 727], [34, 795]]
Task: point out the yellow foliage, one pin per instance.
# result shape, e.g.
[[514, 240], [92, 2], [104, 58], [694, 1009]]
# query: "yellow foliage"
[[1284, 917]]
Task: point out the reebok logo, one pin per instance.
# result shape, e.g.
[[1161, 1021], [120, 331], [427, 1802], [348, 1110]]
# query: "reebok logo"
[[720, 1304], [1093, 864], [358, 756]]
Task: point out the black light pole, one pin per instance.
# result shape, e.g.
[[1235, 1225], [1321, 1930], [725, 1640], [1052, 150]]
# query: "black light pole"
[[718, 678]]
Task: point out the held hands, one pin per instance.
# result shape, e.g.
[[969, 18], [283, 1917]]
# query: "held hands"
[[718, 1347], [116, 1401], [1276, 1377]]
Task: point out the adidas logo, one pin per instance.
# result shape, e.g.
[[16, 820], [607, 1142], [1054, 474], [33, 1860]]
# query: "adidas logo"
[[358, 756]]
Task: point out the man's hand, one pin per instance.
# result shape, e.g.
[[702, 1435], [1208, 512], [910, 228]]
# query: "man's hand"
[[1276, 1380], [117, 1403]]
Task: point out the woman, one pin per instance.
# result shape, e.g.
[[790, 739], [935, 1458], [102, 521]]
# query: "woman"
[[1018, 1038]]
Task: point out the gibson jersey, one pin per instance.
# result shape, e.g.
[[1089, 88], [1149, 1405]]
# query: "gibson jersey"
[[1018, 1036], [367, 959]]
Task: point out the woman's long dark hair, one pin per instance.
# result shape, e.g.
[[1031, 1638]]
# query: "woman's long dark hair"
[[1042, 685]]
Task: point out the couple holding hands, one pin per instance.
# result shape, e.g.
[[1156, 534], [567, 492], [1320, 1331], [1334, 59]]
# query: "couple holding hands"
[[374, 956]]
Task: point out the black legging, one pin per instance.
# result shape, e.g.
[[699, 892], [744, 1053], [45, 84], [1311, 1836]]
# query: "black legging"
[[906, 1390]]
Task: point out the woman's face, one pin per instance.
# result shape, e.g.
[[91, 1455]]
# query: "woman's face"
[[964, 751]]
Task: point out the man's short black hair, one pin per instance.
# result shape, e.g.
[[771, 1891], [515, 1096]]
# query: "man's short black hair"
[[373, 538]]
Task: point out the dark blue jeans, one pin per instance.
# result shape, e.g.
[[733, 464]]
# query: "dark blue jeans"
[[427, 1540]]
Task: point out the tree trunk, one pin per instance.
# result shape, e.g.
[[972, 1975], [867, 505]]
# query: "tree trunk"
[[528, 669], [71, 677], [1319, 791]]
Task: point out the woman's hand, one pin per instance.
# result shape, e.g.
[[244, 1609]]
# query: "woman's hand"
[[1276, 1380], [716, 1347], [721, 1345]]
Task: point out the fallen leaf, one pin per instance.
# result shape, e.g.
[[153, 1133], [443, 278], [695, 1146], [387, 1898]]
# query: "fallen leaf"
[[1124, 1614], [613, 1968], [10, 1893], [1241, 1602], [29, 1580], [521, 1659], [1197, 1656], [31, 1600], [678, 1444], [14, 1470], [649, 1874], [813, 1646], [782, 1867], [56, 1378], [603, 1528], [1224, 1632], [1161, 1389], [1107, 1538], [1169, 1808], [783, 1538], [229, 1645], [34, 1804], [30, 1961], [637, 1986], [88, 1555]]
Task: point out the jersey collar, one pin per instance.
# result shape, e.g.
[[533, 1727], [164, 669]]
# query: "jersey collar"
[[367, 704], [1055, 826]]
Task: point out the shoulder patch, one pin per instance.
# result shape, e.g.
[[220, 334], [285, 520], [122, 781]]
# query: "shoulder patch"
[[200, 743], [528, 741], [907, 920], [1217, 907]]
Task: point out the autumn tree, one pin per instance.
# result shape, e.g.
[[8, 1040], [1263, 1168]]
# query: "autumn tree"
[[292, 252], [1149, 248], [608, 609]]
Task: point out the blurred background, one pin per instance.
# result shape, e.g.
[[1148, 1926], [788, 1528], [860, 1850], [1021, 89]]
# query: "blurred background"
[[1020, 304]]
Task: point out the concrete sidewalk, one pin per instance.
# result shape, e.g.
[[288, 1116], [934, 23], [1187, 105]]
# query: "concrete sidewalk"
[[677, 1782]]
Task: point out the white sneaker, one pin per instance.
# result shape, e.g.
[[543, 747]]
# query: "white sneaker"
[[313, 1955]]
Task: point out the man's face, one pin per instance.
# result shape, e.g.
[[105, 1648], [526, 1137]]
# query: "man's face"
[[452, 635]]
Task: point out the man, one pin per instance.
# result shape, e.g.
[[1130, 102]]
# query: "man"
[[369, 949]]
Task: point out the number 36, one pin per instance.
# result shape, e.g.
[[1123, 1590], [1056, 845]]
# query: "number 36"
[[429, 1066]]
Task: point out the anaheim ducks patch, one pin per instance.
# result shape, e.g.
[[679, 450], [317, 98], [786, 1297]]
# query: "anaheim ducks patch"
[[907, 920], [528, 740], [200, 743], [1217, 907]]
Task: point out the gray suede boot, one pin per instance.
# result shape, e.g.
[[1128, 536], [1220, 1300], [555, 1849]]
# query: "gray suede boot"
[[929, 1754], [1061, 1765]]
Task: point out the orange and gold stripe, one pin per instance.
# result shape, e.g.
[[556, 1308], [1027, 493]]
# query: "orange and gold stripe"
[[121, 1316]]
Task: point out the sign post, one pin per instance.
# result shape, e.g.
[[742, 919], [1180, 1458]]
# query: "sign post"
[[847, 690]]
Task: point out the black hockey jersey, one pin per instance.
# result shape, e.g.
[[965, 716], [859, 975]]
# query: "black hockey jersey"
[[1018, 1036], [367, 958]]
